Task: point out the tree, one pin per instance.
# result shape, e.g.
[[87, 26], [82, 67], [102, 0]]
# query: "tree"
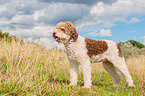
[[6, 36], [1, 35]]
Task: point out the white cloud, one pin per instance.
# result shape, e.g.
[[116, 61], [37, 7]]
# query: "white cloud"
[[35, 32], [79, 12], [60, 12], [109, 14], [105, 32], [133, 20], [86, 2], [138, 7], [23, 21], [46, 42], [7, 11], [49, 43], [102, 32], [37, 18], [38, 13], [98, 9], [3, 1]]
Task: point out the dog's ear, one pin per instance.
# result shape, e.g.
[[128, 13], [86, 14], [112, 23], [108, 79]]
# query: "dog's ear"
[[71, 30]]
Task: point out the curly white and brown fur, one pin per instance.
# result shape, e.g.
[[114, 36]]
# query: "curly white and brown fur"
[[83, 51]]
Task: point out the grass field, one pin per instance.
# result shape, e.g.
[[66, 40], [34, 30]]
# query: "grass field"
[[28, 69]]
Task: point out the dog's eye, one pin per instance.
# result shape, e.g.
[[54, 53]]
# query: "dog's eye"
[[62, 29]]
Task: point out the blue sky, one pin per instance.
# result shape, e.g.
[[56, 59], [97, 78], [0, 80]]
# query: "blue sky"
[[120, 31], [96, 19]]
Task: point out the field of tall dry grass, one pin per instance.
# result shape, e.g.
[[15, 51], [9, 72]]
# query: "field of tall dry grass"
[[29, 69]]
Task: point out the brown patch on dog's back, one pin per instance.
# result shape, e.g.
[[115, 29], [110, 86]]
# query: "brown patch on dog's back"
[[95, 47], [119, 51]]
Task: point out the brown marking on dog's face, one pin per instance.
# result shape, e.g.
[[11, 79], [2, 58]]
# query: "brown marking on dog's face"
[[66, 28], [120, 51], [95, 47]]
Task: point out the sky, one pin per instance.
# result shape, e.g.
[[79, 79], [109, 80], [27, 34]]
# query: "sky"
[[96, 19]]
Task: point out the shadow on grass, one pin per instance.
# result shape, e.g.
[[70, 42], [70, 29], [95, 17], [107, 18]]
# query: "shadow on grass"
[[65, 81], [101, 84], [56, 80]]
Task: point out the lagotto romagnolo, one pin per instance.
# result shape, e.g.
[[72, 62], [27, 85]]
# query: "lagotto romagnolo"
[[83, 51]]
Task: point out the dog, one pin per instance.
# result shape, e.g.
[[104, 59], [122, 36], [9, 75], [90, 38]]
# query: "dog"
[[82, 52]]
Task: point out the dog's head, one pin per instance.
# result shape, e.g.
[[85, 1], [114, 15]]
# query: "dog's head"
[[64, 32]]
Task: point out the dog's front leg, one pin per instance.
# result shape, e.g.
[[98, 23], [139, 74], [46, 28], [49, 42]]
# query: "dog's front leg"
[[86, 69], [74, 71]]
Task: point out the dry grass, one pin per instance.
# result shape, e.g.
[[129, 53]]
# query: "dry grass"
[[25, 65], [136, 66], [29, 69]]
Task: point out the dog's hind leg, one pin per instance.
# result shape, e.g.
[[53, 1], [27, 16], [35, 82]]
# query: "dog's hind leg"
[[110, 68], [121, 65]]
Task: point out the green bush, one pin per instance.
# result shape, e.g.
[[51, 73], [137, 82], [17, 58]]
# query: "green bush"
[[136, 44], [130, 50]]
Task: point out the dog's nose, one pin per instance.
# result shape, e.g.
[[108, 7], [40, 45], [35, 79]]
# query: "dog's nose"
[[54, 33]]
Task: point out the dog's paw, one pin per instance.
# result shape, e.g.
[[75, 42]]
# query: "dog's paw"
[[72, 84], [131, 85], [87, 86]]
